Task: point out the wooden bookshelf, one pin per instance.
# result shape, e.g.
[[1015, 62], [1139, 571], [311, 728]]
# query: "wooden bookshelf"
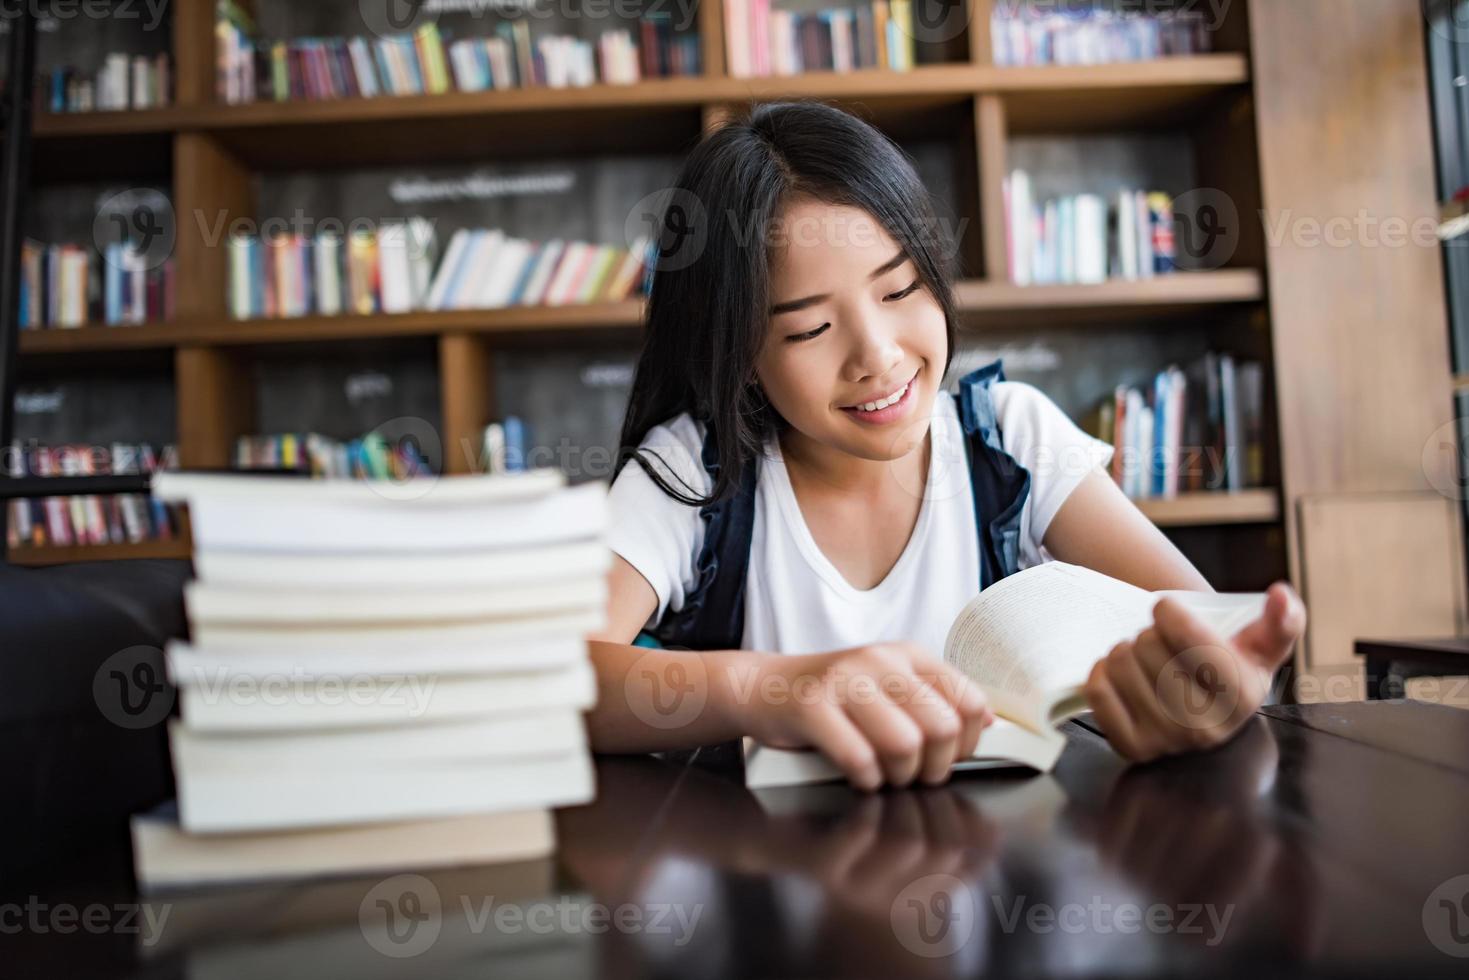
[[1256, 506], [212, 154], [981, 301], [58, 555]]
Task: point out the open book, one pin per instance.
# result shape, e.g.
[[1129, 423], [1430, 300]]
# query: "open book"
[[1030, 641]]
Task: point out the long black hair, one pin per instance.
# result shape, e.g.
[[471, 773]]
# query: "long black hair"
[[708, 310]]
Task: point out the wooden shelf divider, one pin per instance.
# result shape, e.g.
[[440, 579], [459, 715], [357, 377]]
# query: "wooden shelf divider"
[[36, 556], [1253, 506]]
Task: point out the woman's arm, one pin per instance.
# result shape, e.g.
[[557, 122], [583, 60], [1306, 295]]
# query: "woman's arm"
[[885, 712], [1100, 528]]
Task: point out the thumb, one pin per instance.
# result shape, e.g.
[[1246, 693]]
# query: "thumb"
[[1269, 639], [1180, 629]]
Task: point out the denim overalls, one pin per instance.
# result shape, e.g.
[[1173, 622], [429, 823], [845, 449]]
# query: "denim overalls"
[[713, 614]]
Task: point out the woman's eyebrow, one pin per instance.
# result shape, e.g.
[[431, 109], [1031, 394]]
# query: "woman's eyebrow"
[[792, 305]]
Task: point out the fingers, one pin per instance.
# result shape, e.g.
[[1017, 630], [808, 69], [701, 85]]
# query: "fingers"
[[848, 747], [1270, 638], [1112, 715]]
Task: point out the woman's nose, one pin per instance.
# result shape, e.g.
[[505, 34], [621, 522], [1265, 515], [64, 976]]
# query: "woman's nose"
[[875, 351]]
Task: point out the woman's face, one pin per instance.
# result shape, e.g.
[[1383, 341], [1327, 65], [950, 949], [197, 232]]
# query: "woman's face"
[[851, 326]]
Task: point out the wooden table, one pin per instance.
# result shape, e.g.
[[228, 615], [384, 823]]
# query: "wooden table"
[[1390, 663], [1324, 841]]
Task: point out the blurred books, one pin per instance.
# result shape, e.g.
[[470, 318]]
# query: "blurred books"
[[381, 675]]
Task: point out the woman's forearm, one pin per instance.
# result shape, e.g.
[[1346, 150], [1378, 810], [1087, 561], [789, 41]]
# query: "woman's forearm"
[[650, 699]]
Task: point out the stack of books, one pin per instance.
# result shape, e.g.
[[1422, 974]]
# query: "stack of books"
[[1042, 34], [762, 41], [70, 285], [1080, 239], [1198, 429], [381, 675], [431, 61], [123, 82], [395, 269], [87, 519]]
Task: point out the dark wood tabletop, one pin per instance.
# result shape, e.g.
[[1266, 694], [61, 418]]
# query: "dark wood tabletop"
[[1323, 841]]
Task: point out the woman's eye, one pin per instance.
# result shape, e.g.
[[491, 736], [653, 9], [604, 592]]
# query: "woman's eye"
[[797, 337], [904, 292]]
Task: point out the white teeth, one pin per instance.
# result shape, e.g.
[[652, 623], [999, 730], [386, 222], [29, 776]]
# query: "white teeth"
[[896, 396]]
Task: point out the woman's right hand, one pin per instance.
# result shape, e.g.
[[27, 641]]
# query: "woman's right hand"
[[883, 713]]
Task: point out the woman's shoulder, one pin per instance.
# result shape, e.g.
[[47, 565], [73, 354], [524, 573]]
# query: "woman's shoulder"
[[674, 447]]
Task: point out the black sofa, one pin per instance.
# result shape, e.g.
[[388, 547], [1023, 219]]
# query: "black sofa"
[[83, 702]]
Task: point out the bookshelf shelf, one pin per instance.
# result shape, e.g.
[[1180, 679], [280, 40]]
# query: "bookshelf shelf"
[[57, 555], [1257, 506], [1006, 304], [983, 303]]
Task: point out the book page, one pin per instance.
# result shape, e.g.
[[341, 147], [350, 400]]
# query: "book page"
[[1036, 634], [1031, 639]]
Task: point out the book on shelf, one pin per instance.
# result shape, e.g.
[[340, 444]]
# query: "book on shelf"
[[432, 60], [760, 40], [1084, 238], [381, 721], [1029, 641], [87, 519], [398, 269], [122, 82], [371, 457], [1023, 34], [71, 285], [503, 448], [1190, 430]]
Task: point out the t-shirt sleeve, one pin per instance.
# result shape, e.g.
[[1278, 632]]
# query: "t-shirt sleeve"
[[1055, 450], [654, 533]]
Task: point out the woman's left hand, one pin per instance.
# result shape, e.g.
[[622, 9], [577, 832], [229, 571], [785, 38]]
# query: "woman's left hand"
[[1180, 687]]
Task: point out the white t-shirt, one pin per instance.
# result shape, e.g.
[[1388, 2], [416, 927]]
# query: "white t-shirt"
[[796, 601]]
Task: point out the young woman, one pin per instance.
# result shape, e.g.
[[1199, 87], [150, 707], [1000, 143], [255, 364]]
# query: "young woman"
[[807, 516]]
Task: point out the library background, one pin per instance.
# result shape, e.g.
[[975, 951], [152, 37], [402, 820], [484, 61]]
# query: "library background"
[[349, 237]]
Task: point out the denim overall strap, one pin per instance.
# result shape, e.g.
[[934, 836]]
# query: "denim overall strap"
[[713, 614], [999, 483]]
